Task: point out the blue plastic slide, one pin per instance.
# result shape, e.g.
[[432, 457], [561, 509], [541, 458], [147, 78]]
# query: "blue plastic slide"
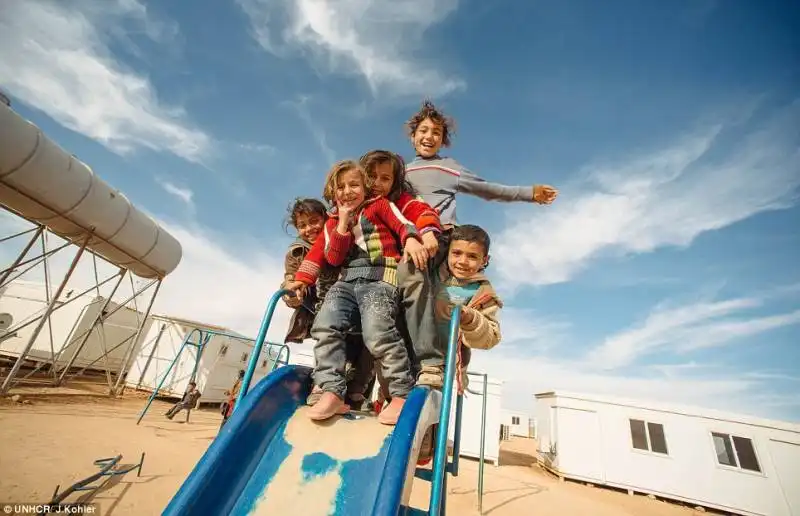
[[270, 458]]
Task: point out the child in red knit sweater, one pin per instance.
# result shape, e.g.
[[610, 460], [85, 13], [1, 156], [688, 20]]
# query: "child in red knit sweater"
[[365, 236]]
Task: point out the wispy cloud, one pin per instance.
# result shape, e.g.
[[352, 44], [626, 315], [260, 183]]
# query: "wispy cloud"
[[686, 328], [183, 194], [300, 107], [58, 59], [375, 39], [663, 198]]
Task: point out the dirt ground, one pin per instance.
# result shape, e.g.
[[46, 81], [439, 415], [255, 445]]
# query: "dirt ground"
[[54, 440]]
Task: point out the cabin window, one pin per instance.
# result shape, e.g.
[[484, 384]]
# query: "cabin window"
[[223, 350], [514, 420], [244, 357], [648, 436], [735, 451]]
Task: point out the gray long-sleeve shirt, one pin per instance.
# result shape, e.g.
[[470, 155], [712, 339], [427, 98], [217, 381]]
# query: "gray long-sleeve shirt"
[[438, 180]]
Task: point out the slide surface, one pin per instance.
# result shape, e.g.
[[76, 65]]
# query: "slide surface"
[[270, 458]]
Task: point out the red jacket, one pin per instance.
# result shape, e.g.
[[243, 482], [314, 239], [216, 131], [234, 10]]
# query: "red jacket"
[[419, 212], [376, 251]]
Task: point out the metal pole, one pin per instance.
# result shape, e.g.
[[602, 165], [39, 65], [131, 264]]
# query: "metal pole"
[[34, 262], [6, 273], [201, 346], [152, 353], [256, 353], [129, 352], [18, 364], [47, 299], [440, 455], [457, 434], [163, 378], [15, 235], [482, 459], [88, 333]]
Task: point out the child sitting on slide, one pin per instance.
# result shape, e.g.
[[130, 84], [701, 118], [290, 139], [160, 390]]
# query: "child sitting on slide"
[[308, 217], [362, 236]]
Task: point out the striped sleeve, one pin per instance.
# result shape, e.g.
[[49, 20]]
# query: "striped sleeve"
[[336, 245], [309, 269], [419, 212], [390, 215]]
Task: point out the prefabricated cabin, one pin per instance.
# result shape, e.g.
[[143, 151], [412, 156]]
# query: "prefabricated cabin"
[[739, 464], [221, 359]]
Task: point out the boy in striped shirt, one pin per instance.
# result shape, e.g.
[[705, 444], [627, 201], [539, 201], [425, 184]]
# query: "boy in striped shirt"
[[437, 180]]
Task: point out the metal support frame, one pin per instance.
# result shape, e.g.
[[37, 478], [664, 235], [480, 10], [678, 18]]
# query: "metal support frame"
[[72, 345], [18, 364], [203, 339], [482, 456]]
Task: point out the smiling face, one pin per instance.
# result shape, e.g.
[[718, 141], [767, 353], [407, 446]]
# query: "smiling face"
[[350, 189], [428, 138], [383, 178], [466, 259], [309, 226]]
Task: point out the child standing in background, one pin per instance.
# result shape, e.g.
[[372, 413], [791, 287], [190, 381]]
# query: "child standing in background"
[[362, 236], [437, 180]]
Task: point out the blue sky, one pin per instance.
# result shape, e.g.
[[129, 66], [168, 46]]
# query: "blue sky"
[[667, 269]]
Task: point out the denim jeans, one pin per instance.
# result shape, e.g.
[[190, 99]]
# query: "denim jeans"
[[375, 305], [417, 294]]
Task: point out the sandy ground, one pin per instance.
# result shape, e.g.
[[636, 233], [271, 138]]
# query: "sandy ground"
[[55, 440]]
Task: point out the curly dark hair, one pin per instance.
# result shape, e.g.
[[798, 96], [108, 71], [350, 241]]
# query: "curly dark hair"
[[375, 157], [428, 110], [302, 206]]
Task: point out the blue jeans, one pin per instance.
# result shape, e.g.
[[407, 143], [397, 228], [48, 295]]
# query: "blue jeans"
[[375, 305]]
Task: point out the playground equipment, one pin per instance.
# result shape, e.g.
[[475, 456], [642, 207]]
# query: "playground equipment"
[[204, 336], [106, 470], [271, 458]]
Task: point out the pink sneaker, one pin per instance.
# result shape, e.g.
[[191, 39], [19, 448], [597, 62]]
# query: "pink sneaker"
[[328, 406], [391, 413]]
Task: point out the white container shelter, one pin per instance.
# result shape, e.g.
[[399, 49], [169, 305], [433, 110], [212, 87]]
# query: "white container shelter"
[[220, 362], [471, 420], [24, 300], [518, 423], [739, 464]]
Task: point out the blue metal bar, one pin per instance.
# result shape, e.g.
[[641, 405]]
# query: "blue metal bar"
[[457, 434], [185, 343], [201, 346], [440, 455], [106, 466], [262, 336]]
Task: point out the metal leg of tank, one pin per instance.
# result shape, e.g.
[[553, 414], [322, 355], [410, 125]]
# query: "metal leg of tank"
[[129, 352], [152, 353], [7, 272], [85, 336], [18, 364]]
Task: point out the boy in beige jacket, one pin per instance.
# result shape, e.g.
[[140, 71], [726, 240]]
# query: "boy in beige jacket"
[[461, 282]]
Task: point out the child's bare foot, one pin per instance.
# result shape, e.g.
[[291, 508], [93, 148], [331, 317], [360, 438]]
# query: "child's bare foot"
[[328, 406], [391, 413], [316, 394]]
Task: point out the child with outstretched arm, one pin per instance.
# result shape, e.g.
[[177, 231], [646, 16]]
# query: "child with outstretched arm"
[[364, 236], [438, 180]]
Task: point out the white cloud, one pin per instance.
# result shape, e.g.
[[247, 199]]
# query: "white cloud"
[[665, 198], [57, 59], [185, 195], [686, 328], [377, 39]]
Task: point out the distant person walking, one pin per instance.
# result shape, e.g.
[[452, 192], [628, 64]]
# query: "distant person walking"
[[232, 395], [189, 401]]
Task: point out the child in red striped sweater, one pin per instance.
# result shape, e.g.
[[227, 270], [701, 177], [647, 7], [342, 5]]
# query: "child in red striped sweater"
[[365, 236]]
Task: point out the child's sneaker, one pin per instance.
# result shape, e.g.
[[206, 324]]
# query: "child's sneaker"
[[313, 398], [391, 413], [432, 376], [328, 406]]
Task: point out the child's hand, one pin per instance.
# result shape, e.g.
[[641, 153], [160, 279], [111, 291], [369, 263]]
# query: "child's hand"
[[416, 253], [345, 219], [299, 289], [430, 243], [544, 194]]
